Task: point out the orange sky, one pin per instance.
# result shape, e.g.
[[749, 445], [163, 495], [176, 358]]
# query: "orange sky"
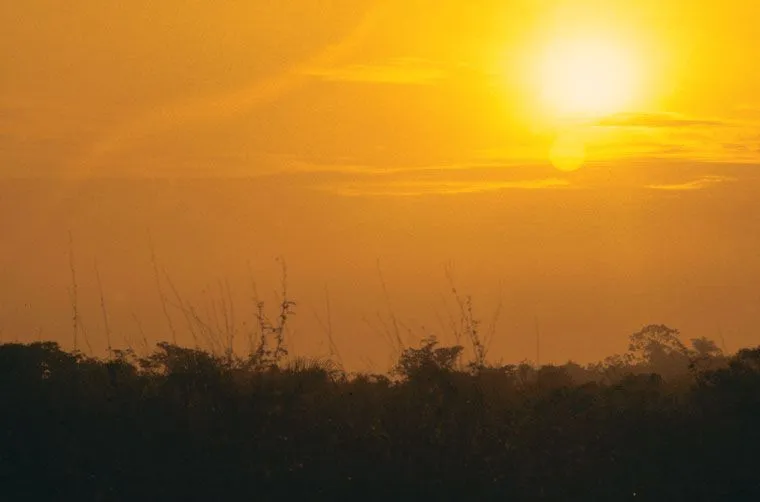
[[416, 133]]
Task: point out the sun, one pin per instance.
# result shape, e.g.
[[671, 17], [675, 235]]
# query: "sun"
[[568, 152], [587, 77]]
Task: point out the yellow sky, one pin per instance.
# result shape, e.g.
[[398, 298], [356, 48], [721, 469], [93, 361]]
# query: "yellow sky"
[[352, 111], [105, 86]]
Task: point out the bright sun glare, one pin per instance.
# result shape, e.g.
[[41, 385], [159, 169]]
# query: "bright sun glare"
[[577, 79], [587, 77]]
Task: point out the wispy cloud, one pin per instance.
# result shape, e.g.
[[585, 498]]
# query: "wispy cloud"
[[418, 188], [669, 136], [661, 120], [397, 71], [302, 166], [697, 184]]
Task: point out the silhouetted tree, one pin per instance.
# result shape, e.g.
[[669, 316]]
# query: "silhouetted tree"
[[428, 360], [184, 424]]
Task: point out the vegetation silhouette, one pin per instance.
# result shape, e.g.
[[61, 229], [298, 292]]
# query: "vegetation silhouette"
[[664, 421]]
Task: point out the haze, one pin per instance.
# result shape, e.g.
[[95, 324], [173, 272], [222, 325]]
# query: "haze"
[[586, 191]]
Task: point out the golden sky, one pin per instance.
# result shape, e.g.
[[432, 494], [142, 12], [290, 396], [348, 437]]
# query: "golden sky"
[[567, 150]]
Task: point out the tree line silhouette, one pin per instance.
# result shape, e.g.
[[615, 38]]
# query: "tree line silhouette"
[[664, 421]]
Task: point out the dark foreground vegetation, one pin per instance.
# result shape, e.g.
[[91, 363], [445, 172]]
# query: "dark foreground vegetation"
[[665, 421]]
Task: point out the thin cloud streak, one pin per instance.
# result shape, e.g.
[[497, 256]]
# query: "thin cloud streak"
[[420, 188], [666, 137], [698, 184], [657, 120], [299, 166]]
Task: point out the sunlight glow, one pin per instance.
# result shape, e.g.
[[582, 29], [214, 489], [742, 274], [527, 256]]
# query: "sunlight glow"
[[587, 77]]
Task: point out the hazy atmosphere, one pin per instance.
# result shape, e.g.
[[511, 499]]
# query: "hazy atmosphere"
[[580, 168]]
